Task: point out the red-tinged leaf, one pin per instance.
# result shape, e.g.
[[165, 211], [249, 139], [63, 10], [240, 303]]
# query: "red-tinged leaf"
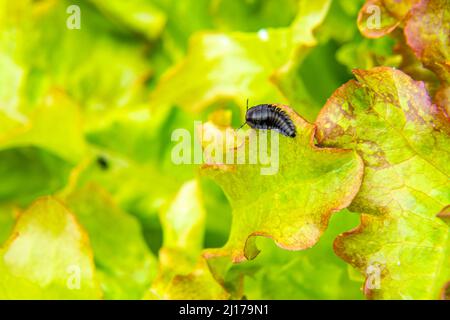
[[427, 32], [404, 140]]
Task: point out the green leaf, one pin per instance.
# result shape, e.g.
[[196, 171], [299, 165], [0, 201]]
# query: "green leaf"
[[310, 274], [183, 273], [9, 90], [125, 265], [126, 132], [231, 66], [184, 220], [251, 16], [123, 179], [31, 172], [7, 219], [183, 20], [293, 206], [404, 141], [218, 217], [105, 72], [339, 23], [220, 62], [136, 143], [368, 53], [64, 137], [320, 65], [195, 16], [48, 256], [197, 285]]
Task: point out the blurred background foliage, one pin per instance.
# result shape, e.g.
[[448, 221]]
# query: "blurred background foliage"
[[87, 115]]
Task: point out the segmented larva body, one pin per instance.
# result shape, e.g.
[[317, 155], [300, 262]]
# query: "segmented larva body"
[[269, 116]]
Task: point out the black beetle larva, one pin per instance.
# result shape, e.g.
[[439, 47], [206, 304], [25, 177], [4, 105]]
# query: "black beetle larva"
[[269, 116]]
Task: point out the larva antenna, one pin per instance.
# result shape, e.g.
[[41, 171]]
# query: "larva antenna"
[[245, 121]]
